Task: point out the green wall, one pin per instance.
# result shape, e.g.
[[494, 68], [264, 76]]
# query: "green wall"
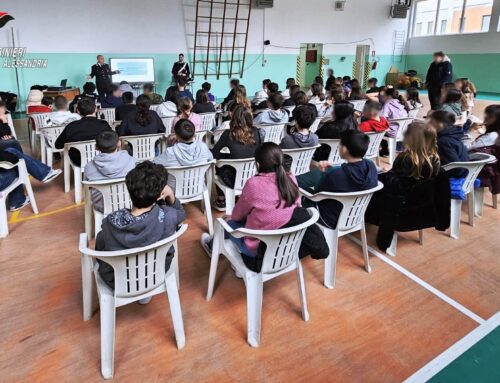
[[482, 69], [76, 66]]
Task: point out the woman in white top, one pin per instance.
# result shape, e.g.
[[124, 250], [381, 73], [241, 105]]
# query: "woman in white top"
[[492, 129]]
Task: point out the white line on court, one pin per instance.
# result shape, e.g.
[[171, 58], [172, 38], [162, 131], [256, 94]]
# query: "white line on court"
[[422, 283]]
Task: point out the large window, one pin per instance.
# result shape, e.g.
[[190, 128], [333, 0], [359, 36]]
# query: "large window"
[[452, 16]]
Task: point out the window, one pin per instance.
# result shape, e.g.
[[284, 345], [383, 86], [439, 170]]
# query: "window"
[[452, 16], [430, 28], [485, 24]]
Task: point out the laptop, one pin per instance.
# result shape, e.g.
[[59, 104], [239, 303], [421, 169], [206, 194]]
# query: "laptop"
[[63, 83], [62, 86]]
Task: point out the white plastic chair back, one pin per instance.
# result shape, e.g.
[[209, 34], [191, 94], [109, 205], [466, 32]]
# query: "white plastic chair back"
[[207, 121], [168, 122], [374, 147], [190, 180], [245, 169], [358, 105], [301, 159], [474, 167], [413, 113], [273, 133], [114, 194], [334, 156], [50, 135], [107, 114], [290, 109], [40, 120], [315, 124], [87, 151], [143, 146], [403, 124], [11, 125]]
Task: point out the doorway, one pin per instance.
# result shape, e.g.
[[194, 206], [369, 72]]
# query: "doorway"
[[310, 60]]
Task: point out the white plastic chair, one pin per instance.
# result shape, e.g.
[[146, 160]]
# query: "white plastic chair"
[[358, 105], [281, 256], [107, 114], [334, 156], [87, 151], [168, 122], [48, 139], [351, 219], [479, 195], [40, 122], [23, 178], [207, 121], [139, 274], [403, 124], [290, 109], [393, 247], [374, 146], [245, 168], [478, 160], [11, 125], [144, 146], [273, 132], [315, 125], [414, 113], [301, 159]]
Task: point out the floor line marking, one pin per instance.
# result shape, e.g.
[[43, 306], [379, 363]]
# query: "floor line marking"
[[423, 283], [454, 351], [48, 213], [14, 216]]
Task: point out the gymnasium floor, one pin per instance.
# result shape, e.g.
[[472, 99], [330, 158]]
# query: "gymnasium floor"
[[378, 327]]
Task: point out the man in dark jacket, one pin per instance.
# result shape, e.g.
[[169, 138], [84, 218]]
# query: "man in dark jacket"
[[180, 69], [154, 216], [330, 80], [102, 73], [82, 130], [439, 73]]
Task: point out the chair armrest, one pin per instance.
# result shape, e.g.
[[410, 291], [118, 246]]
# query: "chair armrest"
[[8, 165]]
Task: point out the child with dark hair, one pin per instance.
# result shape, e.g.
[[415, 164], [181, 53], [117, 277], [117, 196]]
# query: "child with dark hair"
[[61, 115], [203, 104], [233, 84], [290, 101], [114, 99], [110, 163], [206, 86], [300, 136], [491, 126], [142, 121], [148, 90], [356, 174], [262, 95], [127, 107], [413, 98], [88, 91], [169, 107], [185, 106], [372, 85], [394, 107], [274, 114], [452, 102], [356, 91], [372, 121], [287, 92], [155, 215], [183, 90]]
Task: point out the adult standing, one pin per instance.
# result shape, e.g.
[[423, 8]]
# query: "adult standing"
[[181, 69], [102, 73], [439, 73], [330, 81]]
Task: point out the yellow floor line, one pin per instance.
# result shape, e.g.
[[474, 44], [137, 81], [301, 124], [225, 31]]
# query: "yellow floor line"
[[48, 213], [14, 216]]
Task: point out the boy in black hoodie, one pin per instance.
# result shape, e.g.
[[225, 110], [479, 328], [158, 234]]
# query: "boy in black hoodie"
[[356, 174], [154, 216], [300, 136]]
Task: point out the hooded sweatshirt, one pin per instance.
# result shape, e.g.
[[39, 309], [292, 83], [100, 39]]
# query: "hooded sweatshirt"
[[296, 140], [370, 126], [392, 110], [348, 177], [452, 149], [62, 117], [454, 108], [271, 117], [167, 109], [122, 230], [184, 154], [107, 166]]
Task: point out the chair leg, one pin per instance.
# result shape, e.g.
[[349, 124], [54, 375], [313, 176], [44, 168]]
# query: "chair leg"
[[254, 285], [331, 262], [230, 200], [478, 202], [456, 211], [421, 237], [67, 174], [392, 249], [364, 243], [50, 158], [302, 291], [208, 212], [392, 150], [495, 201], [87, 212], [175, 310], [108, 318], [43, 150], [175, 264], [88, 287], [77, 174], [471, 205], [29, 190], [216, 249], [4, 225]]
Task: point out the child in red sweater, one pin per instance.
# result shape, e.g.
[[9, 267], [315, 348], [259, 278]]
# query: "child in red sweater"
[[371, 121]]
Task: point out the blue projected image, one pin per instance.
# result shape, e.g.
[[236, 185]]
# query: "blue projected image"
[[133, 68]]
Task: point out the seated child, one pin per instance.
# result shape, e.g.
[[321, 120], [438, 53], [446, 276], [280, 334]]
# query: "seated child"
[[206, 86], [148, 90], [356, 174], [394, 107], [262, 95], [301, 137], [274, 114], [372, 85], [169, 107], [372, 121], [62, 115], [154, 216], [127, 107], [492, 129], [114, 99], [7, 139], [413, 98], [186, 151], [185, 112], [110, 163]]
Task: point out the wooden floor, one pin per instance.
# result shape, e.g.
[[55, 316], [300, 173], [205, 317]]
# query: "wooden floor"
[[378, 327]]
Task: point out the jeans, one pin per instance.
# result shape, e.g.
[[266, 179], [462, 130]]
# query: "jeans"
[[239, 242], [36, 169], [16, 196], [13, 143]]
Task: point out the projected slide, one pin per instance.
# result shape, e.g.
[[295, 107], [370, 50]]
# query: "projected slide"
[[133, 69]]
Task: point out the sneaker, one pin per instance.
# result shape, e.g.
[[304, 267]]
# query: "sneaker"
[[236, 272], [15, 208], [52, 175], [220, 204], [205, 243], [145, 301]]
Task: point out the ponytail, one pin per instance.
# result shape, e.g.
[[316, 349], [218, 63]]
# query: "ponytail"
[[288, 191]]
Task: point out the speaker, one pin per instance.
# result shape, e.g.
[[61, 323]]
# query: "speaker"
[[264, 3], [399, 11]]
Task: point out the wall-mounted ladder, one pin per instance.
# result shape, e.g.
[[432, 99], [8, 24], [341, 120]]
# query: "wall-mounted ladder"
[[221, 36]]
